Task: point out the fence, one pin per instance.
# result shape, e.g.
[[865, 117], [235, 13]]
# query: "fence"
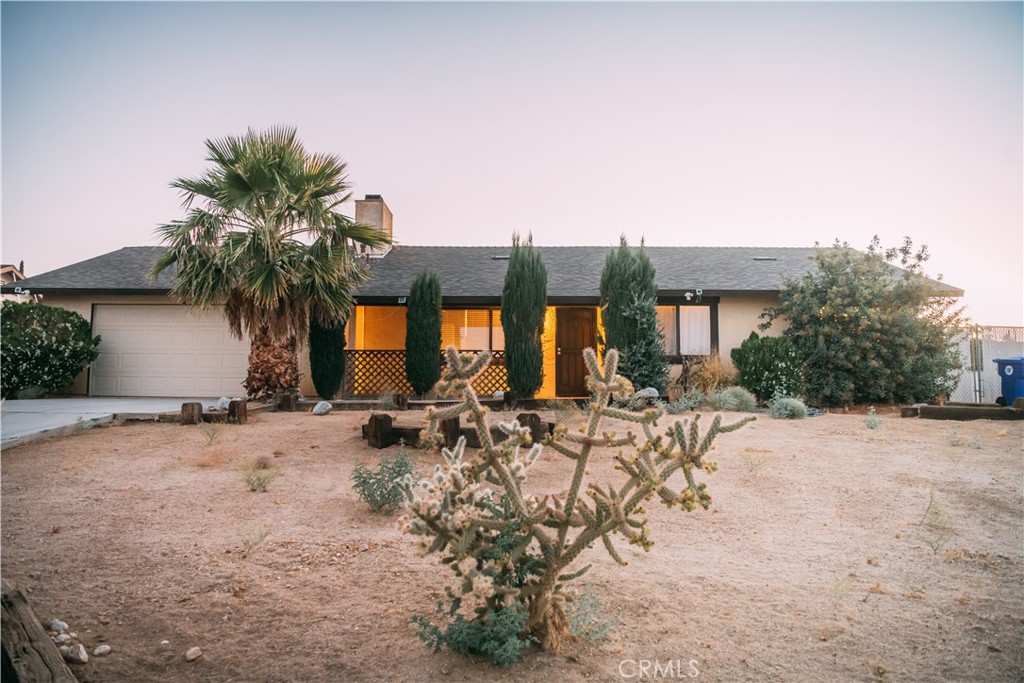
[[372, 373], [979, 381]]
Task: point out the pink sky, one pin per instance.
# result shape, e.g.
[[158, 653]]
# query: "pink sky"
[[689, 124]]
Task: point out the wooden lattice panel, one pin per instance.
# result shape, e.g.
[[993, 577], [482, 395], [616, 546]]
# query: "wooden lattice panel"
[[372, 373]]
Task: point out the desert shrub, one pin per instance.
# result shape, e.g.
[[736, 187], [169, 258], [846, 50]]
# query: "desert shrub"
[[787, 408], [423, 333], [42, 347], [514, 553], [871, 420], [768, 366], [709, 374], [587, 620], [733, 398], [497, 637], [258, 474], [691, 398], [523, 305], [869, 331], [380, 488]]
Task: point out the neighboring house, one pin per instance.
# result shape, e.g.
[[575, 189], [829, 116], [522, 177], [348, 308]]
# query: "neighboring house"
[[12, 275], [709, 298]]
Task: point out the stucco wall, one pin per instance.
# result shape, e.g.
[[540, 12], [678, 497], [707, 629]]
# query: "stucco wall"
[[738, 316]]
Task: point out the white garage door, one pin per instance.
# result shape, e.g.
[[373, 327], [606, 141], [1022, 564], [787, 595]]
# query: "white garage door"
[[166, 351]]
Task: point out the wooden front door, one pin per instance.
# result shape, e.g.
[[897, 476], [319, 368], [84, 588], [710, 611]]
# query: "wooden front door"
[[575, 330]]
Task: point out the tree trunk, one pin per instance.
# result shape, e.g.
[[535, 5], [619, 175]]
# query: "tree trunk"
[[273, 367]]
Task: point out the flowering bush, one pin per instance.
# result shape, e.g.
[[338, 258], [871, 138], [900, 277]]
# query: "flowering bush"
[[42, 346], [769, 366]]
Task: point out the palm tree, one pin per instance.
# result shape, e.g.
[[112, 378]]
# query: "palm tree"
[[263, 236]]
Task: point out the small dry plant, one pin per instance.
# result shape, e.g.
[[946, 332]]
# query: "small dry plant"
[[754, 458], [214, 456], [513, 552], [211, 431], [961, 441], [259, 473], [935, 528], [254, 538], [710, 374], [566, 411]]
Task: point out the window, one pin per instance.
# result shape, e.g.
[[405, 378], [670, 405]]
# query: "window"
[[667, 321], [473, 329], [687, 330], [695, 330]]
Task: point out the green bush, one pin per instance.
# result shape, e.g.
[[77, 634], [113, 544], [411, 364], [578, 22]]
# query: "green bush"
[[643, 359], [42, 346], [497, 637], [787, 408], [869, 331], [691, 398], [768, 366], [735, 399], [380, 488], [587, 620]]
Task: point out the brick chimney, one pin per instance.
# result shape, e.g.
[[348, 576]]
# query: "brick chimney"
[[373, 211]]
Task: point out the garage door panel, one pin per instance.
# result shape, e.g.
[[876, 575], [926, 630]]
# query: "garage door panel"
[[166, 351]]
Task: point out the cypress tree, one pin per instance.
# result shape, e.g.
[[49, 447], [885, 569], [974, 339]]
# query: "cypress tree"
[[326, 357], [628, 290], [423, 333], [616, 294], [523, 304]]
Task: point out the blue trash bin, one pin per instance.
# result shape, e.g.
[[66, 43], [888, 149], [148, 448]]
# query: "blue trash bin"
[[1011, 374]]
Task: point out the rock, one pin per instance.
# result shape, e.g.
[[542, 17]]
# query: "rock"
[[500, 395], [649, 392], [101, 650], [165, 642], [322, 408], [192, 654], [34, 574], [62, 639], [223, 402], [76, 653], [58, 625]]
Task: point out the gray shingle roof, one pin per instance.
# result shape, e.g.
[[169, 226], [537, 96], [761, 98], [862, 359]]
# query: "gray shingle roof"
[[471, 273]]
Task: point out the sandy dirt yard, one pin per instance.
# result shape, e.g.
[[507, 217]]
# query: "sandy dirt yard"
[[831, 553]]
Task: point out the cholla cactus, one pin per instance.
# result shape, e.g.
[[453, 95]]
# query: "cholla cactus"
[[509, 548]]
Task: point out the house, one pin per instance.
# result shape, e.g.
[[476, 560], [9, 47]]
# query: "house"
[[709, 298], [13, 275]]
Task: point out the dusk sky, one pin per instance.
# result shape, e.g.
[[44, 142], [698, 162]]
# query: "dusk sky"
[[724, 124]]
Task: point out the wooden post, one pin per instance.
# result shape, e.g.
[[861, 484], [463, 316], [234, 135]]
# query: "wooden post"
[[288, 403], [451, 431], [378, 433], [538, 430], [238, 412], [28, 652], [191, 413]]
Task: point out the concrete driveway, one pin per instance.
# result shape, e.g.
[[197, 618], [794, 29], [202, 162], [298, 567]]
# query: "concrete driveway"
[[22, 421]]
